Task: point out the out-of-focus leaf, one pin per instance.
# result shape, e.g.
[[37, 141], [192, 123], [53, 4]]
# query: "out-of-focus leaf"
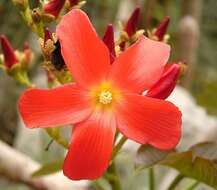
[[148, 156], [199, 162], [49, 168], [206, 150], [198, 168]]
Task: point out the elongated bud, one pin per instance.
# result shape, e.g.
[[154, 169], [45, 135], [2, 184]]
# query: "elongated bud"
[[57, 58], [27, 52], [21, 4], [9, 56], [47, 35], [164, 87], [54, 7], [108, 39], [50, 78], [161, 30], [73, 2], [131, 25], [36, 15]]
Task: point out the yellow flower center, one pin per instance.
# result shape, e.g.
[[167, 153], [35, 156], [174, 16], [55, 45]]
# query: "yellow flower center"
[[105, 97]]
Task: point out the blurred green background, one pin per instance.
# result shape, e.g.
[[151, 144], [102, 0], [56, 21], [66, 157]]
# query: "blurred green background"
[[193, 36]]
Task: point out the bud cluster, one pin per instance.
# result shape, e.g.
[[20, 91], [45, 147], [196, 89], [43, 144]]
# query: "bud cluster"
[[130, 34], [15, 63]]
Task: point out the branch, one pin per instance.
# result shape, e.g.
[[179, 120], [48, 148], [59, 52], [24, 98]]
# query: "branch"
[[19, 167]]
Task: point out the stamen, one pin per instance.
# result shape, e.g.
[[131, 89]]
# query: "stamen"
[[105, 97]]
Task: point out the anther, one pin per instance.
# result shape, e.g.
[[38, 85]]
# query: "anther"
[[105, 97]]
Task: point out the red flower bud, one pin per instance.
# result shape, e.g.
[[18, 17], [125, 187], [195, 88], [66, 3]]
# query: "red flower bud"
[[47, 35], [9, 56], [108, 39], [164, 87], [54, 7], [50, 77], [131, 25], [162, 28], [27, 52], [73, 2]]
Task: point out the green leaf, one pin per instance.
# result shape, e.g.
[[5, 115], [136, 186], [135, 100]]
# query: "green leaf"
[[199, 162], [49, 168], [148, 156], [206, 150], [197, 168]]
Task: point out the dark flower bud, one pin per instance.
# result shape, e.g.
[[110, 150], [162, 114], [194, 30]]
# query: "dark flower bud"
[[21, 4], [57, 58], [27, 52], [131, 25], [47, 35], [166, 84], [36, 15], [108, 39], [9, 55], [54, 7], [73, 2], [162, 29]]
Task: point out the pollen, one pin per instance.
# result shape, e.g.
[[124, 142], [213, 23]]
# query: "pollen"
[[105, 97]]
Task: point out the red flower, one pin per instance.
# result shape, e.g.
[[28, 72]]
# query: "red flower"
[[54, 7], [9, 55], [166, 84], [104, 97]]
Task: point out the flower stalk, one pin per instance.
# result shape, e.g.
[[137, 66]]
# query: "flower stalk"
[[118, 147], [175, 182], [151, 179], [114, 181], [54, 133]]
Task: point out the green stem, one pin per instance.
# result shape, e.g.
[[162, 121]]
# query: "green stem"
[[97, 185], [193, 185], [112, 177], [55, 134], [118, 147], [175, 182], [151, 179]]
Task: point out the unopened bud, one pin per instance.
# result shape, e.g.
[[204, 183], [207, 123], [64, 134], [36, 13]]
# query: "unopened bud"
[[54, 7], [131, 25], [166, 84], [27, 53], [21, 4], [73, 2], [10, 58], [108, 39], [47, 18], [161, 30], [36, 15], [47, 35], [57, 58]]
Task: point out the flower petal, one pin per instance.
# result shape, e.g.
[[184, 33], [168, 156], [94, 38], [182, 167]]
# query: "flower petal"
[[59, 106], [91, 147], [140, 66], [148, 120], [85, 55]]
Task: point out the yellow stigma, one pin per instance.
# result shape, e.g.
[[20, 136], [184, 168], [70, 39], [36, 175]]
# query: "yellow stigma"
[[105, 97]]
